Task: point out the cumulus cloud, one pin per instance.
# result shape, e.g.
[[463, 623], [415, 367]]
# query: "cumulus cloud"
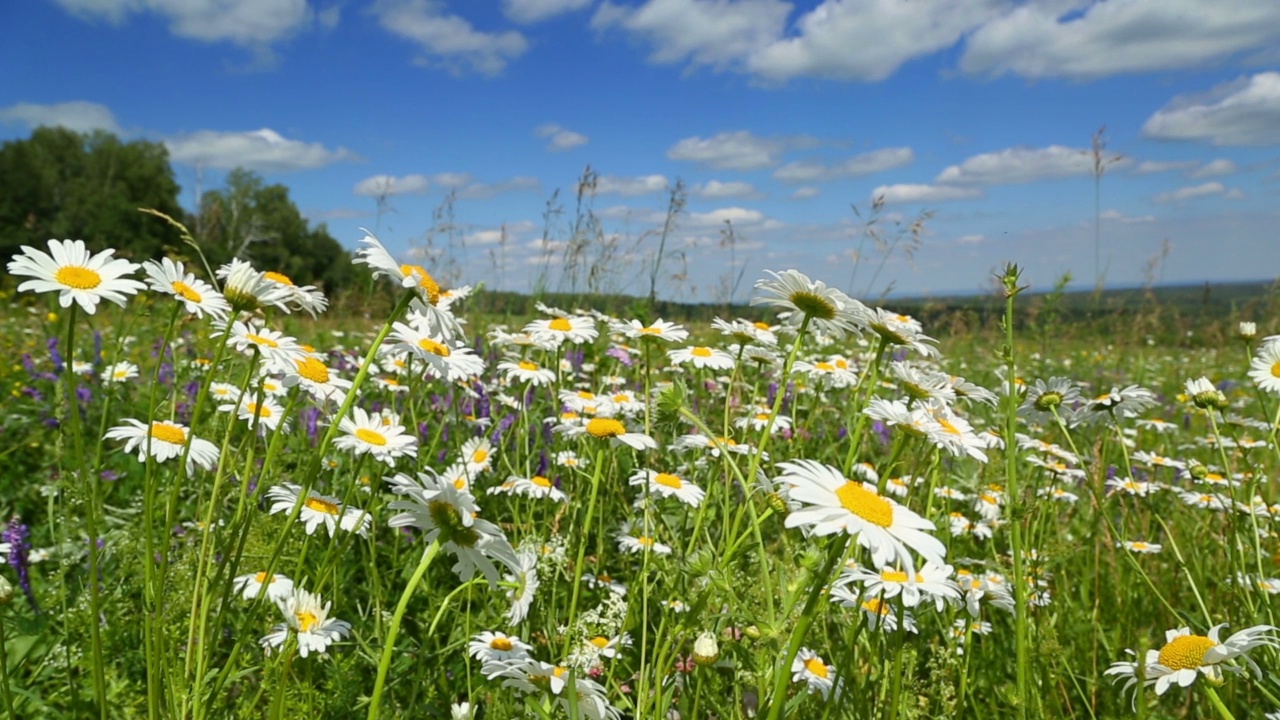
[[532, 11], [386, 185], [718, 189], [1017, 166], [804, 193], [735, 215], [971, 239], [1117, 216], [631, 186], [560, 139], [1082, 40], [908, 193], [717, 33], [449, 40], [245, 22], [1148, 167], [867, 40], [875, 161], [738, 150], [78, 115], [466, 187], [264, 150], [1214, 168], [1191, 192], [1244, 112]]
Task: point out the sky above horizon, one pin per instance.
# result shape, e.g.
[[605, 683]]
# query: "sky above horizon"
[[779, 117]]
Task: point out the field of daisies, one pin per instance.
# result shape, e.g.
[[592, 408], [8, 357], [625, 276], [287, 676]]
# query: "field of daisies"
[[220, 501]]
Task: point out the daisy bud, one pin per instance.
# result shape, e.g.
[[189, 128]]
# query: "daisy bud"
[[6, 591], [1205, 395], [752, 632], [705, 649], [1248, 330], [1198, 471], [1048, 401]]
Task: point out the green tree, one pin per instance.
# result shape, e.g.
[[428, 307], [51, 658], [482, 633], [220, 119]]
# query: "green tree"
[[258, 222], [63, 184]]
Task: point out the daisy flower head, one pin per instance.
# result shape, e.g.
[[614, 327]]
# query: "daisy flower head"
[[308, 298], [746, 332], [616, 433], [522, 585], [931, 582], [557, 330], [246, 289], [447, 359], [904, 330], [1264, 369], [69, 270], [375, 255], [266, 413], [278, 351], [831, 503], [828, 310], [526, 371], [498, 647], [637, 544], [809, 668], [477, 453], [119, 372], [1045, 397], [1141, 546], [537, 487], [366, 434], [164, 440], [1185, 657], [309, 620], [319, 380], [657, 330], [318, 510], [1126, 402], [669, 485], [197, 296], [701, 357], [277, 587]]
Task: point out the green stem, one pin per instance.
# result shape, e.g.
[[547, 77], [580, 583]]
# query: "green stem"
[[576, 579], [389, 645], [4, 674], [1013, 493], [1217, 703]]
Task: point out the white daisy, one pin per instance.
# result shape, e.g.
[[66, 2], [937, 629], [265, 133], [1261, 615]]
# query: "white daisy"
[[1184, 657], [367, 434], [701, 357], [526, 371], [319, 380], [122, 371], [557, 330], [278, 351], [497, 647], [318, 510], [810, 669], [310, 623], [659, 330], [669, 485], [1264, 369], [196, 295], [69, 270], [278, 587], [477, 453], [830, 312], [164, 440], [637, 544]]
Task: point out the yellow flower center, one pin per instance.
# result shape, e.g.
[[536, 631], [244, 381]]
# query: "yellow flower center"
[[1140, 545], [726, 442], [322, 506], [761, 325], [262, 578], [168, 433], [599, 641], [605, 428], [946, 425], [651, 331], [528, 366], [762, 416], [865, 504], [80, 278], [668, 480], [426, 283], [874, 605], [583, 394], [645, 540], [372, 437], [186, 292], [561, 325], [896, 576], [433, 347], [702, 352], [262, 411], [1185, 652], [479, 456], [1275, 370], [816, 667], [277, 277], [307, 620], [824, 366], [313, 370], [540, 481], [260, 340], [501, 643]]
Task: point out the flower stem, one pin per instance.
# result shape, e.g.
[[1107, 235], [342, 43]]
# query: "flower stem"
[[1217, 703], [389, 645]]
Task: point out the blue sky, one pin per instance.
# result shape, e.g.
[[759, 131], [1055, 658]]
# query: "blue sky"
[[777, 116]]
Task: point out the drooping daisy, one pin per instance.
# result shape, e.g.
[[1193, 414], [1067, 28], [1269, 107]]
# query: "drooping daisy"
[[809, 668], [366, 434], [526, 371], [1184, 657], [522, 585], [669, 485], [309, 620], [828, 310], [832, 504], [164, 440], [658, 330], [318, 510], [119, 372], [532, 676], [246, 288], [308, 298], [615, 432], [406, 275], [197, 296], [701, 357], [69, 270], [557, 330], [278, 587], [497, 647], [898, 329]]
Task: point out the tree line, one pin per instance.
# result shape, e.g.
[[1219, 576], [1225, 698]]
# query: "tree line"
[[63, 184]]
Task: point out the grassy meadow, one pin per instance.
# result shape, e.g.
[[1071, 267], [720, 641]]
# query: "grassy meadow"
[[221, 499]]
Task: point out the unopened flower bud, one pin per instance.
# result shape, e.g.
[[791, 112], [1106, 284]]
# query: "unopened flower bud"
[[705, 649], [1248, 330]]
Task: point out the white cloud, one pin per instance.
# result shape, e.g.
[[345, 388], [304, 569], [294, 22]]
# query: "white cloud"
[[738, 150], [718, 33], [718, 189], [1234, 194], [452, 180], [1016, 166], [1148, 167], [77, 115], [907, 193], [1117, 216], [449, 40], [531, 11], [631, 186], [1244, 112], [1221, 166], [804, 193], [867, 40], [1082, 39], [735, 215], [246, 22], [380, 185], [560, 139], [484, 237], [864, 164], [465, 187], [264, 150], [1191, 192], [971, 239]]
